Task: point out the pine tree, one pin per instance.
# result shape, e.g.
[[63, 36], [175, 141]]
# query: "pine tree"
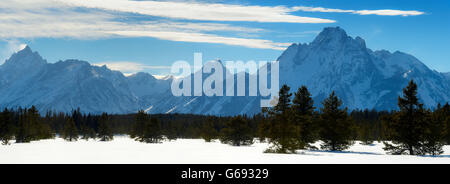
[[140, 120], [411, 127], [208, 132], [303, 113], [30, 127], [147, 129], [435, 132], [6, 126], [87, 132], [336, 126], [364, 134], [152, 131], [91, 133], [284, 100], [171, 131], [84, 132], [70, 132], [445, 116], [283, 133], [237, 132], [22, 134], [264, 127], [104, 131]]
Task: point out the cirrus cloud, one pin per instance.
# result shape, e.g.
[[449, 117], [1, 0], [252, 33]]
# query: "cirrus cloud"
[[209, 38], [93, 19], [383, 12], [54, 19], [200, 11], [130, 67]]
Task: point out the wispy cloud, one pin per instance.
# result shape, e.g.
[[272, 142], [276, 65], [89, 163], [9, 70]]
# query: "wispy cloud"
[[92, 19], [383, 12], [130, 67], [209, 38], [200, 11], [390, 12], [11, 47], [56, 19]]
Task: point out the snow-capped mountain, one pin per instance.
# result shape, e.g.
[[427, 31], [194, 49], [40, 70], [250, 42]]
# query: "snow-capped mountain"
[[27, 79], [336, 62], [361, 77], [333, 61], [216, 105], [149, 90]]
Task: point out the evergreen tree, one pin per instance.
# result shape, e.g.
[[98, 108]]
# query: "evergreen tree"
[[237, 132], [84, 132], [369, 125], [445, 116], [147, 129], [23, 129], [208, 131], [70, 132], [411, 129], [364, 134], [104, 130], [30, 127], [171, 131], [264, 126], [6, 126], [336, 126], [303, 113], [140, 120], [283, 133], [91, 133], [152, 131], [87, 132], [284, 100], [435, 132]]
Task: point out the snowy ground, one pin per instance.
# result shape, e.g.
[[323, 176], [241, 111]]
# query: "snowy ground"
[[192, 151]]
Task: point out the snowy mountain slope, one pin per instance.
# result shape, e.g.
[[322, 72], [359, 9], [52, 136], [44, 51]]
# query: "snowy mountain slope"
[[447, 75], [363, 78], [333, 61], [217, 105], [63, 86], [149, 90], [20, 66]]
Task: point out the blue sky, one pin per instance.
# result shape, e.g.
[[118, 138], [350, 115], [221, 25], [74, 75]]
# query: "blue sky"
[[149, 36]]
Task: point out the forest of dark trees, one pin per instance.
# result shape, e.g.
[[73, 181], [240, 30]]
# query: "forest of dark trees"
[[293, 124]]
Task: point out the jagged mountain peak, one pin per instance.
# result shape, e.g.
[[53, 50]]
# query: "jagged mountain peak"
[[336, 37], [334, 61], [25, 57], [26, 49], [331, 33], [337, 62], [331, 42], [142, 76]]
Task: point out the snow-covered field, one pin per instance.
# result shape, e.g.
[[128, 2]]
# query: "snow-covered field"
[[192, 151]]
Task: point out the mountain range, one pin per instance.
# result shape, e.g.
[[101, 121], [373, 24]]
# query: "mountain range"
[[333, 61]]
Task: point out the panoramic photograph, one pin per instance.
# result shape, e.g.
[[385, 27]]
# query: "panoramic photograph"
[[224, 82]]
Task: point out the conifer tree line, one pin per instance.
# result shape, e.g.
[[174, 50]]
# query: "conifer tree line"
[[293, 124]]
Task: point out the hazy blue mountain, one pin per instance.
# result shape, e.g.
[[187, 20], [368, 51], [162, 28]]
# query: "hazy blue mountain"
[[362, 77], [27, 79], [333, 61]]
